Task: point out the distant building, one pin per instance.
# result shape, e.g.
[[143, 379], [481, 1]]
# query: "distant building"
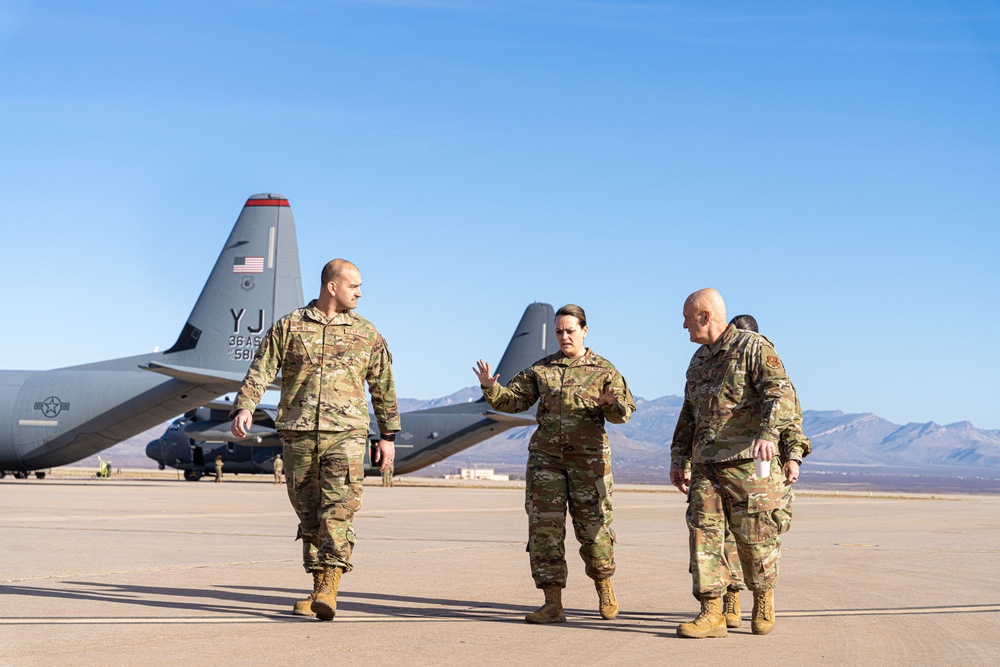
[[477, 473]]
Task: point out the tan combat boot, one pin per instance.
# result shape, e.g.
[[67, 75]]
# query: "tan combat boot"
[[606, 596], [731, 609], [325, 604], [304, 607], [762, 621], [709, 623], [552, 610]]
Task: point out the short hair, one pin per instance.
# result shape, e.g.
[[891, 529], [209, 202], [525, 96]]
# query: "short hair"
[[333, 269], [572, 310], [745, 322]]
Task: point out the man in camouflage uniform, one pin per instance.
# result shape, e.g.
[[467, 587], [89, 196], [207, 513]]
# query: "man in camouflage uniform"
[[326, 353], [737, 400], [569, 459], [218, 467], [793, 445]]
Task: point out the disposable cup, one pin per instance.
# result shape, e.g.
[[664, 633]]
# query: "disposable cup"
[[762, 468]]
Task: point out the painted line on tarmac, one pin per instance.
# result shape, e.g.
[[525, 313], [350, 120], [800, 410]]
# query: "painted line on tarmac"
[[460, 616], [967, 609], [464, 616]]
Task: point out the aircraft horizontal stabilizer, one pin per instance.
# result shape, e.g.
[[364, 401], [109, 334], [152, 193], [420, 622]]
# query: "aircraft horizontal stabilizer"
[[216, 432], [521, 419], [195, 375]]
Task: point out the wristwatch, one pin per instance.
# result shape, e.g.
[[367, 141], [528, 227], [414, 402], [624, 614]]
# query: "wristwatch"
[[391, 437]]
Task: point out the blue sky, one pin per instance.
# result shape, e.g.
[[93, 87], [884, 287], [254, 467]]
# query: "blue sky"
[[831, 167]]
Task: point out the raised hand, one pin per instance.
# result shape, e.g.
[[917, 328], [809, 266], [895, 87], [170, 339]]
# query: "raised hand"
[[482, 371], [607, 394]]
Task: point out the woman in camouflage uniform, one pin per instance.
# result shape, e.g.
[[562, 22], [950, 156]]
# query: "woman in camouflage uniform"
[[569, 460]]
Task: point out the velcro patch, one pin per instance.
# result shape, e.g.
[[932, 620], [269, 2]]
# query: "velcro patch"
[[773, 362]]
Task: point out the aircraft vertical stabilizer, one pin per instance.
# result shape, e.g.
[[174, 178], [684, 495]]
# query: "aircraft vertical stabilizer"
[[533, 339], [255, 281]]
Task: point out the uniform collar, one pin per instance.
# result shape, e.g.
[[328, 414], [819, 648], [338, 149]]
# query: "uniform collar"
[[720, 345], [314, 313], [586, 359]]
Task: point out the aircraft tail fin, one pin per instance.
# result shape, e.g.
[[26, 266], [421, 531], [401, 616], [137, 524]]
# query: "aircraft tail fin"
[[533, 339], [255, 281]]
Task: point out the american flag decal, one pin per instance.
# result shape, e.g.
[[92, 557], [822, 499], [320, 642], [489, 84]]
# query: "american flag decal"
[[248, 265]]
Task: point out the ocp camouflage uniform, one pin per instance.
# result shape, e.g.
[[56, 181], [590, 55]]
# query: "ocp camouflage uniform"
[[569, 460], [736, 391], [793, 446], [323, 419]]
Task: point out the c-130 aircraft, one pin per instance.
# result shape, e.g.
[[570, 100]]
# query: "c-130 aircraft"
[[52, 418], [192, 442]]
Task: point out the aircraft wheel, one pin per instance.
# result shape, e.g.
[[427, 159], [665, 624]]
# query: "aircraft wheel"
[[191, 475], [19, 475], [3, 473], [40, 475]]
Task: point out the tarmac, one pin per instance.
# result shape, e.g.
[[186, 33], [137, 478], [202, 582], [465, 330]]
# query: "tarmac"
[[166, 572]]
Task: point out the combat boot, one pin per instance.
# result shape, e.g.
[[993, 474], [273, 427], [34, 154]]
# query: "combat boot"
[[606, 596], [325, 604], [552, 610], [304, 607], [731, 609], [709, 623], [762, 621]]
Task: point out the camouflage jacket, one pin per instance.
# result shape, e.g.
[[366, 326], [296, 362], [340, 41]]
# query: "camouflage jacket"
[[324, 364], [794, 444], [567, 390], [736, 391]]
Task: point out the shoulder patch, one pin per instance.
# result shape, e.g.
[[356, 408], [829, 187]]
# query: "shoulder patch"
[[773, 361]]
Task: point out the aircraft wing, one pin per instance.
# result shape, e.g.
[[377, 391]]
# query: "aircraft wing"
[[502, 417], [198, 375], [193, 375]]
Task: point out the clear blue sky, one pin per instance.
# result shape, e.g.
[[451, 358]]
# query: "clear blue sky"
[[831, 167]]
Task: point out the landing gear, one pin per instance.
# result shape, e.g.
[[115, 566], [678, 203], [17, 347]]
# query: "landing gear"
[[40, 474], [193, 475], [20, 475], [3, 473]]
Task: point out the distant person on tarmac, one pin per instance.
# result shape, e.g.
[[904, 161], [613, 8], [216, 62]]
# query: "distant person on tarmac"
[[279, 466], [218, 468], [792, 446], [326, 353], [387, 476], [569, 459]]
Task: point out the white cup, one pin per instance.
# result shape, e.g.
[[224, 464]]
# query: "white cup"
[[762, 468]]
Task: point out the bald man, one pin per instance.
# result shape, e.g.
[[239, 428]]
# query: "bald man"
[[737, 400], [326, 352]]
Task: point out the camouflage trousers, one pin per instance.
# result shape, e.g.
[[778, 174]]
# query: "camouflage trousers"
[[782, 517], [324, 473], [730, 495], [581, 480]]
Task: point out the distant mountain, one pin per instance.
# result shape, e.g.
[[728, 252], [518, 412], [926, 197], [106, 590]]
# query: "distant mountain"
[[640, 449]]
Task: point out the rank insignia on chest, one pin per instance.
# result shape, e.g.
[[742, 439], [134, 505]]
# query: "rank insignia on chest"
[[773, 362]]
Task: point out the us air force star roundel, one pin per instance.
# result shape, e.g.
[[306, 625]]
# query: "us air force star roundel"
[[51, 406], [773, 362]]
